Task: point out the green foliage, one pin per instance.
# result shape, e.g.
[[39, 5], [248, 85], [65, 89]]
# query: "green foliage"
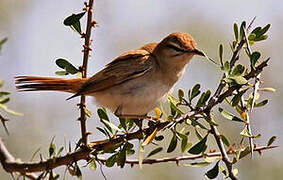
[[229, 115], [173, 144], [199, 147], [213, 173], [74, 22], [2, 42], [155, 151], [271, 140], [67, 66]]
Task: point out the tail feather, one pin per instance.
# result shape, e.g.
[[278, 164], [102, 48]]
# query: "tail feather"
[[32, 83]]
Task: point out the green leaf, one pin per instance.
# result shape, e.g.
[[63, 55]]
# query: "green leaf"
[[1, 83], [181, 94], [2, 42], [173, 144], [271, 140], [5, 100], [5, 108], [225, 140], [73, 19], [199, 147], [185, 145], [240, 80], [199, 136], [221, 53], [123, 123], [262, 103], [210, 121], [245, 132], [195, 92], [111, 160], [77, 27], [122, 157], [176, 108], [242, 30], [263, 30], [236, 99], [88, 113], [64, 64], [159, 138], [252, 37], [213, 173], [155, 151], [256, 30], [203, 98], [60, 151], [61, 73], [226, 67], [238, 70], [52, 148], [102, 113], [254, 58], [197, 164], [112, 126], [101, 130], [128, 146], [173, 105], [78, 171], [267, 89], [229, 115], [236, 32], [92, 165], [263, 37]]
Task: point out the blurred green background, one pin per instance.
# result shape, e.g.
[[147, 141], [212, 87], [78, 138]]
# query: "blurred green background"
[[37, 37]]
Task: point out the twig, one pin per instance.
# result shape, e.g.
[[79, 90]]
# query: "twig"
[[6, 158], [223, 152], [183, 158], [256, 85], [86, 51], [3, 121]]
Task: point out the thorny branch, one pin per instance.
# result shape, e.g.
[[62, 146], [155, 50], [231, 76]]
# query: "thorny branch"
[[86, 50], [11, 165]]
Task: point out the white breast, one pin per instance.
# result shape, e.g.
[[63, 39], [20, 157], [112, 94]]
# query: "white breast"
[[136, 97]]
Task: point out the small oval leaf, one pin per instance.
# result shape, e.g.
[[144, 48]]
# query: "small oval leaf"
[[173, 144], [155, 151], [64, 64], [213, 173], [199, 147]]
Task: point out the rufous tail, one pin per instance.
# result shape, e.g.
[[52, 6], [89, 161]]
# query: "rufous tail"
[[32, 83]]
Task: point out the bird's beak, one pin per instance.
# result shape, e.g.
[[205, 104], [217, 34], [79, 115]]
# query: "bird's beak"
[[198, 52]]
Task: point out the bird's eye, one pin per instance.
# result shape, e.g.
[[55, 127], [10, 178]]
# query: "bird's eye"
[[175, 48]]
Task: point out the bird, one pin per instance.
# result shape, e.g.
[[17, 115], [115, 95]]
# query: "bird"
[[132, 84]]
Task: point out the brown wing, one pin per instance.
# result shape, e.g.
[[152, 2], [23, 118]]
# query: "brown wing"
[[126, 67]]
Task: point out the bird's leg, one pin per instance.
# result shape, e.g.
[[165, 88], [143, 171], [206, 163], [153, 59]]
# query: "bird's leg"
[[138, 119]]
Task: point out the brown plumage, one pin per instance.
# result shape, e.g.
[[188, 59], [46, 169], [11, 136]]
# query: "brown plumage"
[[33, 83], [136, 80]]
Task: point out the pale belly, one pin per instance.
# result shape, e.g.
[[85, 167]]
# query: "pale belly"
[[136, 97]]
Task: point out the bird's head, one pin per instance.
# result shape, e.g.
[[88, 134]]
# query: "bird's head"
[[177, 48]]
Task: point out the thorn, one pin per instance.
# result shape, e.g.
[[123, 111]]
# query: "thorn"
[[178, 163], [212, 150]]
